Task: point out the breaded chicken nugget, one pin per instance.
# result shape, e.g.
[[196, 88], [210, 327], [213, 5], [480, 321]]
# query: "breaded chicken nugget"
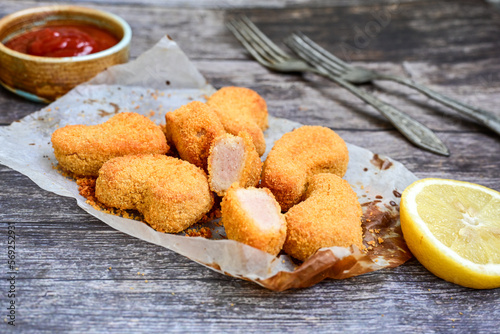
[[192, 128], [330, 216], [233, 159], [253, 217], [297, 156], [172, 194], [242, 109], [172, 151], [83, 149]]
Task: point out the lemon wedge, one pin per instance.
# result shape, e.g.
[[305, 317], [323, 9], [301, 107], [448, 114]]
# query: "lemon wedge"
[[453, 229]]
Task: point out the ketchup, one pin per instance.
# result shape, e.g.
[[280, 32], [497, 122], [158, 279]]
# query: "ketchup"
[[63, 41]]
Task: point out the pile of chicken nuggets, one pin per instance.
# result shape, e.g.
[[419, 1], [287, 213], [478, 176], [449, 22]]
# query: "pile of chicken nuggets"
[[296, 201]]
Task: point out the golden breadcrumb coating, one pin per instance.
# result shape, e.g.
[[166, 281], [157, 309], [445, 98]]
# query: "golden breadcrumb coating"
[[297, 156], [83, 149], [172, 151], [329, 216], [242, 109], [172, 194], [233, 159], [192, 128], [253, 217]]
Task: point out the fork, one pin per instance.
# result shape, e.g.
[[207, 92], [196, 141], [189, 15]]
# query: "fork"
[[273, 57], [359, 75]]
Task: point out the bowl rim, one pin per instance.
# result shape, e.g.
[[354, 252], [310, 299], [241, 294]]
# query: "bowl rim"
[[123, 43]]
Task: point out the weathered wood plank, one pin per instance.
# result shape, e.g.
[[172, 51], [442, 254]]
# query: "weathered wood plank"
[[409, 33], [216, 4], [313, 100], [55, 266]]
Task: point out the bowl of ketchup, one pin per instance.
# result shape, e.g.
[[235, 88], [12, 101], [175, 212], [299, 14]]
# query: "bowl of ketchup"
[[47, 51]]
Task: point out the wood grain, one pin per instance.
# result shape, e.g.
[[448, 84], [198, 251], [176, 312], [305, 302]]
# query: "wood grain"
[[69, 283], [65, 283]]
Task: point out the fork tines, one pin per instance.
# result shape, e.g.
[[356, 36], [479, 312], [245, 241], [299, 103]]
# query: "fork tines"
[[310, 52]]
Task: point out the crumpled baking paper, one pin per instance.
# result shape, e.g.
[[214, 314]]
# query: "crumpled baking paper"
[[161, 80]]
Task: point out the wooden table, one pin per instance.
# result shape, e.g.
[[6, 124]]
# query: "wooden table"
[[77, 274]]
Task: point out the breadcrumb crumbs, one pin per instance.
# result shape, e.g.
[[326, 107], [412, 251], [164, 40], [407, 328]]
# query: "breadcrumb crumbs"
[[204, 232], [86, 188]]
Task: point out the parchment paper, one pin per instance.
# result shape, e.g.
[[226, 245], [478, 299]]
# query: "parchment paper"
[[161, 80]]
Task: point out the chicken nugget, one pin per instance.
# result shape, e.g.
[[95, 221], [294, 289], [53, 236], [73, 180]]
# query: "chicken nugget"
[[233, 159], [330, 216], [297, 156], [83, 149], [253, 217], [242, 109], [192, 128], [172, 194]]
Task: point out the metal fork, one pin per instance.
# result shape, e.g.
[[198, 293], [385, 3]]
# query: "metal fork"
[[271, 56], [359, 75]]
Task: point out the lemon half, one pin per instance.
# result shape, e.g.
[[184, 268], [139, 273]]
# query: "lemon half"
[[453, 229]]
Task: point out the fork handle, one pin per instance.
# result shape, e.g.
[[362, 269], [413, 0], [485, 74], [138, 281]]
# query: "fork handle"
[[414, 131], [484, 117]]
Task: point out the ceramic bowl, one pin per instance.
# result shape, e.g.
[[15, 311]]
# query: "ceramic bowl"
[[44, 79]]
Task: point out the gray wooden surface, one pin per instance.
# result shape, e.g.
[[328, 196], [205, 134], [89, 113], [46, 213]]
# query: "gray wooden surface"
[[64, 281]]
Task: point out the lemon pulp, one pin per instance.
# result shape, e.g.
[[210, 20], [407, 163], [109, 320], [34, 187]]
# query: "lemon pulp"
[[464, 220]]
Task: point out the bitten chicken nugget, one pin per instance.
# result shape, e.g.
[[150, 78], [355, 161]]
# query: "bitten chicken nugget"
[[172, 194], [83, 149], [253, 217], [330, 216], [233, 159], [192, 128], [242, 109], [297, 156]]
